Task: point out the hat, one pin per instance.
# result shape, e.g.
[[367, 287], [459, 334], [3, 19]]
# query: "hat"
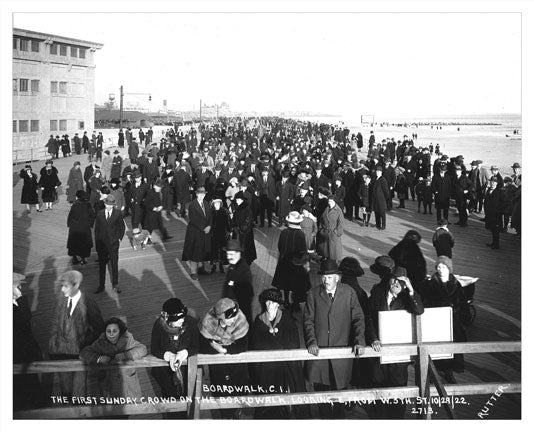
[[216, 199], [240, 195], [18, 278], [244, 182], [294, 217], [233, 246], [474, 163], [226, 308], [443, 158], [328, 266], [494, 168], [516, 165], [110, 200], [201, 190], [443, 167], [136, 231], [271, 294], [494, 178], [398, 272], [442, 259], [379, 168], [443, 222], [233, 180], [28, 167], [382, 265], [137, 174], [173, 309], [478, 161], [158, 183], [114, 181], [350, 266], [81, 195]]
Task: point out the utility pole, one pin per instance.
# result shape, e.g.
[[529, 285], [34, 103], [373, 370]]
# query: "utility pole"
[[120, 114]]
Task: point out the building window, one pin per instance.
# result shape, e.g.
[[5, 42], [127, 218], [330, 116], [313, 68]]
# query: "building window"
[[35, 86], [23, 85], [34, 125], [24, 44], [82, 53], [53, 87], [14, 125], [81, 125], [15, 85], [53, 49], [35, 46], [63, 50], [15, 43], [63, 87], [63, 125], [53, 125], [23, 125], [73, 51]]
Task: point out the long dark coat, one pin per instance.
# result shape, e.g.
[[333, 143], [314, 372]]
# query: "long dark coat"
[[290, 242], [242, 228], [133, 151], [96, 184], [166, 338], [337, 324], [116, 166], [238, 286], [118, 382], [407, 254], [80, 221], [380, 194], [286, 194], [443, 242], [442, 189], [74, 183], [197, 244], [279, 376], [137, 204], [152, 199], [29, 188], [220, 230], [493, 209], [438, 294], [181, 182], [49, 180], [330, 231]]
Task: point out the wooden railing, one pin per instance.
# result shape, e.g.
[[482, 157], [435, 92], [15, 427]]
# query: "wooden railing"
[[196, 402]]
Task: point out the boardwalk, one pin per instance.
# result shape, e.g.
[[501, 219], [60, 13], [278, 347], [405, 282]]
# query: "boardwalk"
[[149, 277]]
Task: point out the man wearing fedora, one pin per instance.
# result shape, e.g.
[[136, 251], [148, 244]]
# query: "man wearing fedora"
[[333, 317], [238, 282], [109, 231], [380, 198], [394, 292], [516, 176], [479, 176]]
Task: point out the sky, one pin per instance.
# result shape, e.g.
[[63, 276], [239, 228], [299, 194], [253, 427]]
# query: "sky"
[[386, 64]]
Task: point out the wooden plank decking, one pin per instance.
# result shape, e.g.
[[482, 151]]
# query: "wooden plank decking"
[[149, 277]]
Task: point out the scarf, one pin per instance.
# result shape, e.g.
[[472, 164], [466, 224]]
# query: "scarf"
[[212, 329], [264, 318]]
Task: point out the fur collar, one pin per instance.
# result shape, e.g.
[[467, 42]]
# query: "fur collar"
[[211, 328]]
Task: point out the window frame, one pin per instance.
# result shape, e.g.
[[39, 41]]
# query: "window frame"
[[52, 87], [81, 53], [15, 43], [53, 126], [21, 81], [61, 49], [62, 86], [74, 51], [15, 128], [32, 126], [62, 123], [81, 124], [24, 44], [26, 123], [32, 44], [54, 47], [32, 82]]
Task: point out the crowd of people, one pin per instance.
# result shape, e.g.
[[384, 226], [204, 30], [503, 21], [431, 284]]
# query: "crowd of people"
[[311, 180]]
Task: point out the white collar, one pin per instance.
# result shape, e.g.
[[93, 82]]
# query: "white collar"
[[443, 228], [75, 299]]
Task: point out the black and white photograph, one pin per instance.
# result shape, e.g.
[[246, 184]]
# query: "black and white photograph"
[[266, 211]]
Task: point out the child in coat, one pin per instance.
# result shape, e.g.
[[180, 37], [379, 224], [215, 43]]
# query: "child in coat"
[[140, 238]]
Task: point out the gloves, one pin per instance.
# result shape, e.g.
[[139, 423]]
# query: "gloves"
[[103, 360], [376, 345]]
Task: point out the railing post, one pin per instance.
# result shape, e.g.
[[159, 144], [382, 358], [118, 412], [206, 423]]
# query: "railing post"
[[192, 363], [421, 369]]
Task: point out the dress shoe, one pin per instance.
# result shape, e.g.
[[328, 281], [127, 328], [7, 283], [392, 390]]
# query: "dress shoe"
[[99, 290], [202, 271], [117, 289]]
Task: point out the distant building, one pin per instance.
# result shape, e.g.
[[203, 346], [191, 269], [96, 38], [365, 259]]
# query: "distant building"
[[53, 89]]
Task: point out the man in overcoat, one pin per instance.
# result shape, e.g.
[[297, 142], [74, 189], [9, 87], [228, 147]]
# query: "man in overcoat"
[[267, 194], [380, 197], [109, 231], [493, 210], [285, 193], [441, 188], [333, 317]]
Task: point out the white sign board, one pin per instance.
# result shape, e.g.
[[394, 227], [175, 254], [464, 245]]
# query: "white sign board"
[[396, 327]]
